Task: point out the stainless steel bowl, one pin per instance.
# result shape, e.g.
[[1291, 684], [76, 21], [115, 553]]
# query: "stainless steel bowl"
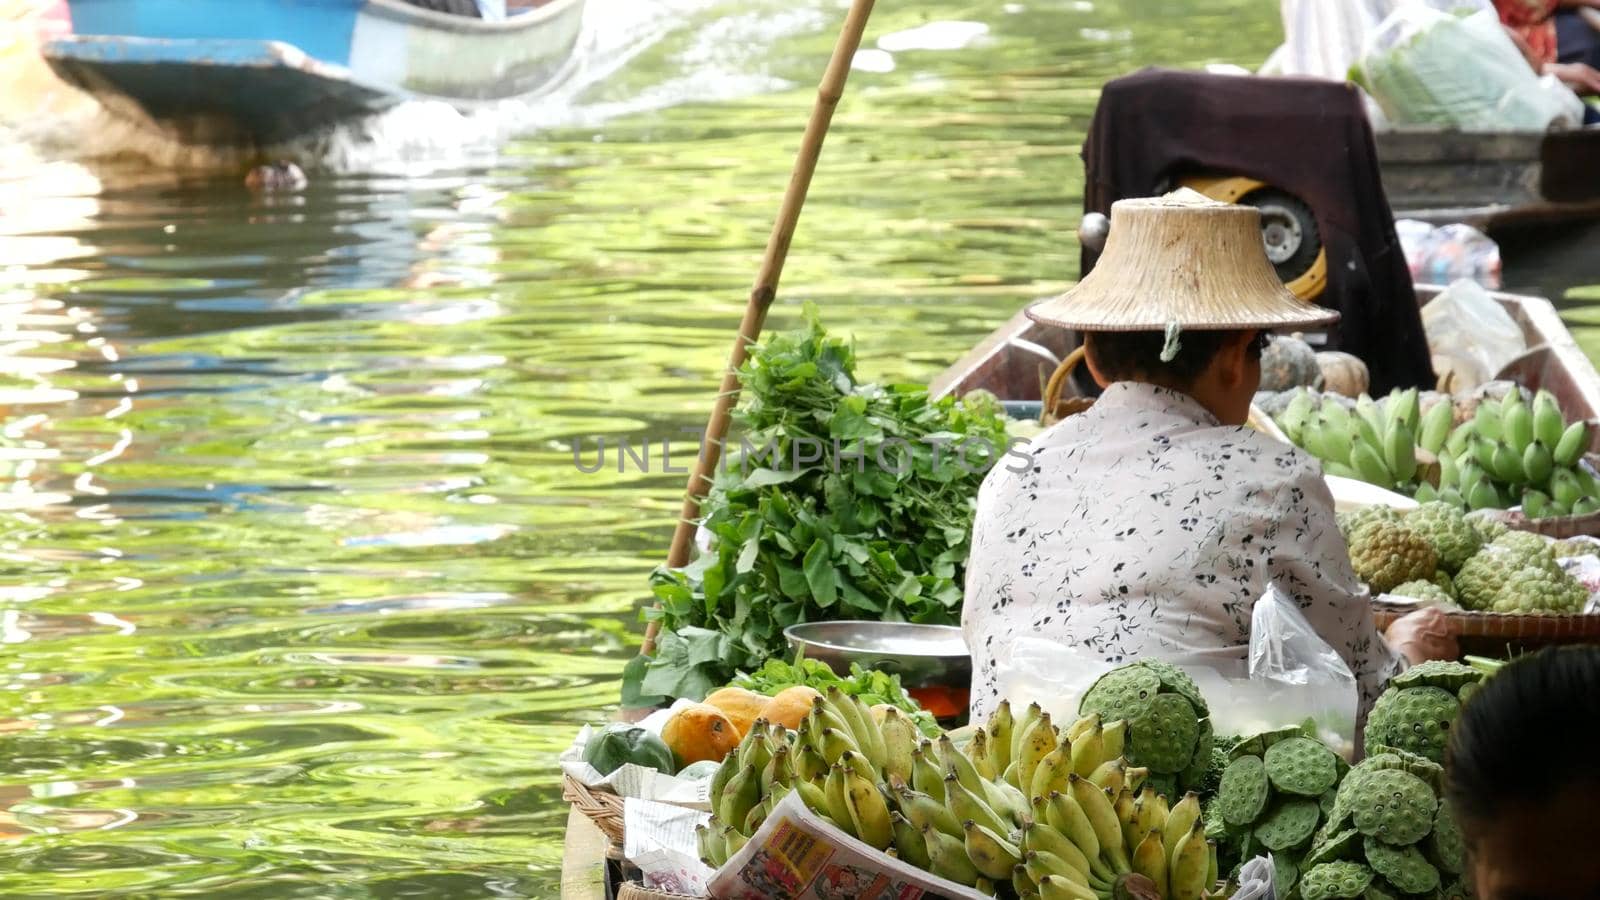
[[922, 655]]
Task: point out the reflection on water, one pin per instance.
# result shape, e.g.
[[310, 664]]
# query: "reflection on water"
[[301, 591]]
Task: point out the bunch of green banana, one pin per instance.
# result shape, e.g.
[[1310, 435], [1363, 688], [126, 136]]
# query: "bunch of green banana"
[[1514, 453], [1376, 444]]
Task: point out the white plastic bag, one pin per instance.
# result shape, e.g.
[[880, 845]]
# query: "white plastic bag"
[[1467, 326], [1299, 677], [1427, 67], [1053, 675]]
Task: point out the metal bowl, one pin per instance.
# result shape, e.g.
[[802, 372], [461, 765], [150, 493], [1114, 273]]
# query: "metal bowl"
[[922, 655]]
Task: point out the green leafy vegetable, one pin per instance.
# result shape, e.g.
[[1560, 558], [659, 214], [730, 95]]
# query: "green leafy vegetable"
[[841, 500]]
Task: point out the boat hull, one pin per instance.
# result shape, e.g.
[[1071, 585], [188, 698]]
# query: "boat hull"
[[266, 71], [1496, 181], [1016, 359]]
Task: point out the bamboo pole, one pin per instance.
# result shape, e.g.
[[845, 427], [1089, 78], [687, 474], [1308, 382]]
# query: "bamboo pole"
[[766, 286]]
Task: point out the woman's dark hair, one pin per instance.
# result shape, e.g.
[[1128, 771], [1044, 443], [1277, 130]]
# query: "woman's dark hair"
[[1527, 732], [1136, 355]]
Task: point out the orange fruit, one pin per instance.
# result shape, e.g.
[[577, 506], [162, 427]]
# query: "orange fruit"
[[791, 706], [698, 732], [742, 707]]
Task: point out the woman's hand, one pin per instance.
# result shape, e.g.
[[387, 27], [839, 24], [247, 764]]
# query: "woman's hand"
[[1422, 635], [1582, 78]]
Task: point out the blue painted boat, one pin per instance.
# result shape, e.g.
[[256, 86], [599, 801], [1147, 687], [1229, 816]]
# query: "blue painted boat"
[[264, 71]]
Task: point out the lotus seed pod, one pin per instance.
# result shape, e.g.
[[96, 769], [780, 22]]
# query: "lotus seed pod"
[[1335, 881], [1393, 806], [1288, 824], [1243, 794], [1403, 867], [1301, 766]]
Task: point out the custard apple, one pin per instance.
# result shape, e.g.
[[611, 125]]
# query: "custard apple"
[[1388, 554], [1540, 589], [1446, 528], [1424, 590]]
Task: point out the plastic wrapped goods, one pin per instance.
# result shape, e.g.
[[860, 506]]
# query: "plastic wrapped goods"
[[1443, 254], [1426, 67]]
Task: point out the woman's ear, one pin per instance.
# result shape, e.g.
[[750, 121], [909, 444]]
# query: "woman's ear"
[[1233, 362], [1094, 369]]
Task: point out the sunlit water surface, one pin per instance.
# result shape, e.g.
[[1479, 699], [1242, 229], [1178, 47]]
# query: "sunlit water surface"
[[302, 593]]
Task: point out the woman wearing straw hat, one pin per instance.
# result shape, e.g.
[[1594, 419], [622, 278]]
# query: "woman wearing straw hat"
[[1149, 525]]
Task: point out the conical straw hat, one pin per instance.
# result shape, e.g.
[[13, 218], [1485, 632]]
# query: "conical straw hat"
[[1181, 262]]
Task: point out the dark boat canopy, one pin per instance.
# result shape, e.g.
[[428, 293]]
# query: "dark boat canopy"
[[1307, 137]]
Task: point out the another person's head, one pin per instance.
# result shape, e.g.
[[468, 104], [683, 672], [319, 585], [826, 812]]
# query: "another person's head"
[[1524, 778], [1221, 369]]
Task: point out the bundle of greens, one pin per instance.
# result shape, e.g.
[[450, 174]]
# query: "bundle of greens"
[[841, 500]]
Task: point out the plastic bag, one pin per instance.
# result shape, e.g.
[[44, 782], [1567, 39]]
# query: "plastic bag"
[[1053, 675], [1449, 252], [1470, 328], [1426, 67], [1297, 677]]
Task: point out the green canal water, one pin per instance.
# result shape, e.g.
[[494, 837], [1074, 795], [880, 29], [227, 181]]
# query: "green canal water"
[[301, 593]]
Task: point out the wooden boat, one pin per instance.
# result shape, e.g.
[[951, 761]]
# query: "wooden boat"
[[1496, 182], [1016, 358], [260, 72]]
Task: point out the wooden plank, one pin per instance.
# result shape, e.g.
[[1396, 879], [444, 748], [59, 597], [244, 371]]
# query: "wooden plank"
[[583, 860]]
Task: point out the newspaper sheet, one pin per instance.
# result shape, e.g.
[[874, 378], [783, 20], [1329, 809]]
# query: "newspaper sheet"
[[796, 854]]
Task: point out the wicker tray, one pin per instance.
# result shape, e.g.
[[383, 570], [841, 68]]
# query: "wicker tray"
[[1560, 527], [1496, 634], [601, 808]]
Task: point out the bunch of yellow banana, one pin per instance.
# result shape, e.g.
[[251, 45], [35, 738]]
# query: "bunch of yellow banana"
[[837, 761], [1512, 452], [1025, 809], [1376, 444], [1093, 829]]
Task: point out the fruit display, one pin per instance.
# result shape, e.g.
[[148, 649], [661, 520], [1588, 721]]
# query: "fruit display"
[[1510, 452], [1276, 791], [1388, 834], [1438, 553], [1416, 710], [1025, 809]]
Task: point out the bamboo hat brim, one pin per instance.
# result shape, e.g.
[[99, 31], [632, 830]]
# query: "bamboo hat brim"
[[1181, 261]]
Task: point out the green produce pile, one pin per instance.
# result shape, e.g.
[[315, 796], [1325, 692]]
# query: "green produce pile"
[[1388, 834], [1030, 809], [1438, 553], [1025, 809], [1415, 712], [1277, 789], [881, 538], [1509, 453]]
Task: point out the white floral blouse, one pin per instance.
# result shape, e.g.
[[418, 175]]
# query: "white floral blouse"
[[1145, 528]]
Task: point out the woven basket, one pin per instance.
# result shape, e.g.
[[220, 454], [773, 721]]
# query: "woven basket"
[[1560, 527], [601, 808], [1495, 634]]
